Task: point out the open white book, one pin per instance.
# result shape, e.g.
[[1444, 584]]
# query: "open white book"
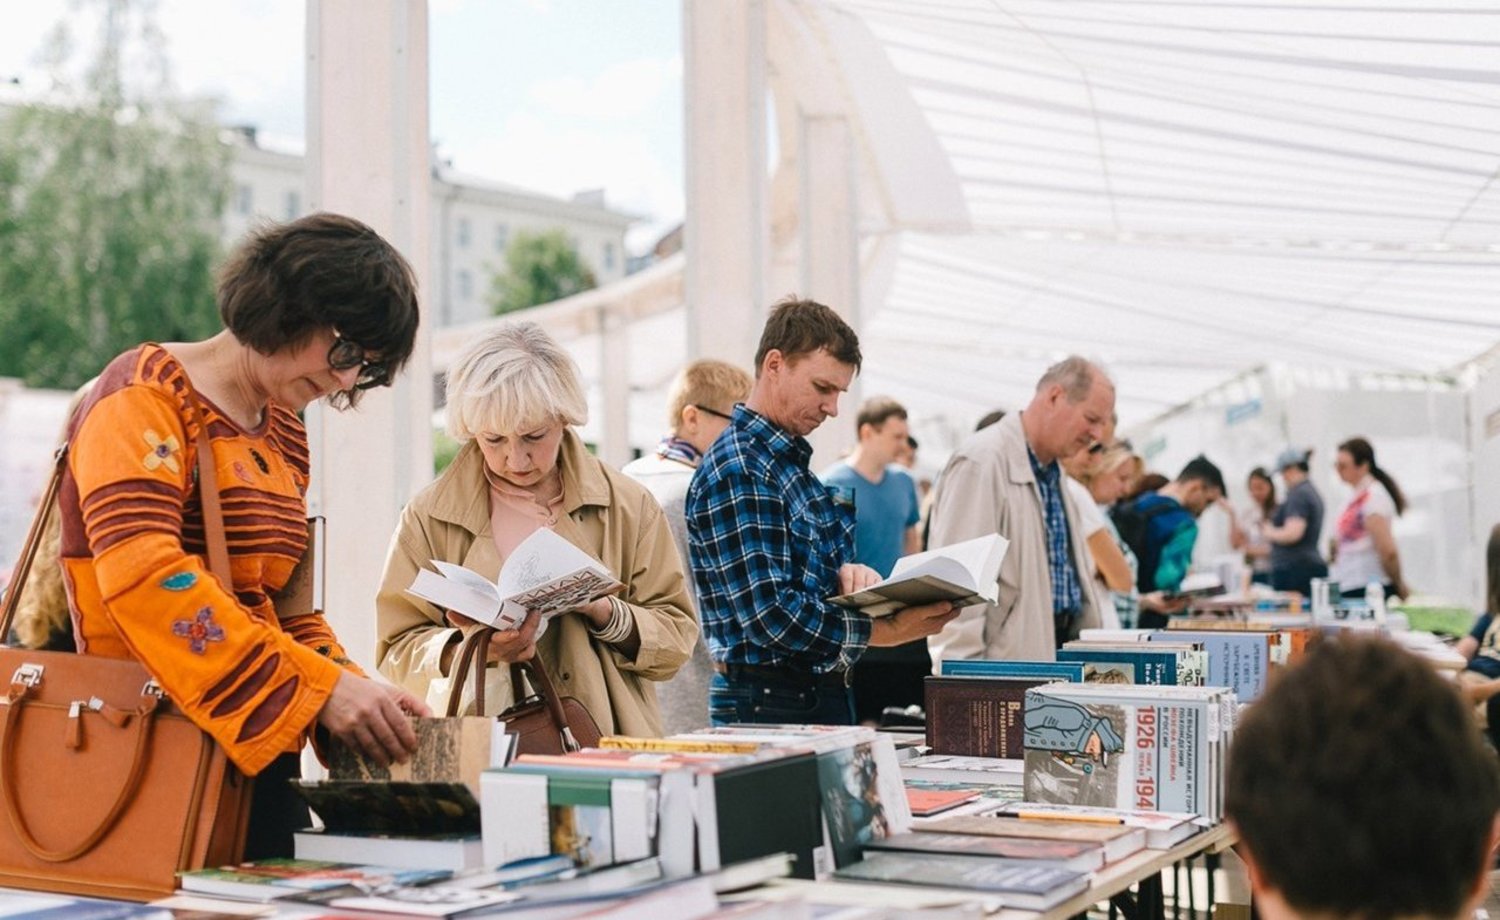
[[965, 573], [545, 574]]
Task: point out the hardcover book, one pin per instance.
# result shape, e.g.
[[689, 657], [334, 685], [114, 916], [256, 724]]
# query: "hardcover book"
[[545, 574], [1077, 855], [1071, 671], [1116, 840], [1019, 883], [965, 573], [448, 750], [976, 717], [392, 807]]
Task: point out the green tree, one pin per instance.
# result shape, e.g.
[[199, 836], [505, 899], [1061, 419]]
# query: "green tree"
[[539, 268], [109, 210]]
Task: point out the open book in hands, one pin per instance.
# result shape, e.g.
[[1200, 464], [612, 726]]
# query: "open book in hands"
[[545, 574], [965, 573]]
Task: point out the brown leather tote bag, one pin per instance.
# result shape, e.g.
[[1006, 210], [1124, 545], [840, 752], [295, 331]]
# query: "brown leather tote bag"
[[544, 722], [108, 789]]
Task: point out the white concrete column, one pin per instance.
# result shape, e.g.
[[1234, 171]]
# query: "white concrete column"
[[367, 156], [614, 385], [725, 233], [829, 232]]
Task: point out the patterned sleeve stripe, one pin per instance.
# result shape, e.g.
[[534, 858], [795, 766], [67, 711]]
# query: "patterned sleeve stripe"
[[270, 709], [228, 680], [134, 490], [102, 538], [255, 498], [248, 687]]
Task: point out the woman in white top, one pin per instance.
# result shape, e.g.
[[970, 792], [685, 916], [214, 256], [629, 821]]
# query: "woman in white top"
[[1245, 527], [1098, 477], [1364, 548]]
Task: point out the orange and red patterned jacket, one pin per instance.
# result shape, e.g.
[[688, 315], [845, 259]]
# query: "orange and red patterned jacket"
[[136, 566]]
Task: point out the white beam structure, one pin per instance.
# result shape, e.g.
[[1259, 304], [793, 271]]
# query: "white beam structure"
[[368, 157], [725, 235], [830, 251]]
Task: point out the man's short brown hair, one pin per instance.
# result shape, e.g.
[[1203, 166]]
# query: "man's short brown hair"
[[798, 327], [715, 384], [877, 410], [284, 282], [1361, 786]]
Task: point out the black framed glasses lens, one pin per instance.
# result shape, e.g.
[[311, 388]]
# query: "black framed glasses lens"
[[344, 354], [714, 412]]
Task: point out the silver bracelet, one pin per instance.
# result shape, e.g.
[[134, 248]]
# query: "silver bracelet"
[[621, 621]]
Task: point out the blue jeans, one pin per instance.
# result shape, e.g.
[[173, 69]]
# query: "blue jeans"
[[770, 698]]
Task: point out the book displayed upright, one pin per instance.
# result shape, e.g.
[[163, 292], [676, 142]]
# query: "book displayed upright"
[[976, 716], [545, 574], [965, 573]]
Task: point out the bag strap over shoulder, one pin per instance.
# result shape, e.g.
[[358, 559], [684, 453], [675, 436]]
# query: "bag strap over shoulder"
[[208, 493], [33, 540]]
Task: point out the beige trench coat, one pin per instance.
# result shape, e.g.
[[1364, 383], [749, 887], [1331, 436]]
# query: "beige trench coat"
[[608, 516], [988, 487]]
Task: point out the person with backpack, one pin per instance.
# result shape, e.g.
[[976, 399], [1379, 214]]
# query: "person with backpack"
[[1161, 528]]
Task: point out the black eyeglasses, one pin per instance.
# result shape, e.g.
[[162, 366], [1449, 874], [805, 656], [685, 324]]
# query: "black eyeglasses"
[[714, 412], [344, 354]]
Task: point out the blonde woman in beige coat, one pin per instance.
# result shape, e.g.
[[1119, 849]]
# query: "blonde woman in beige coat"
[[513, 398]]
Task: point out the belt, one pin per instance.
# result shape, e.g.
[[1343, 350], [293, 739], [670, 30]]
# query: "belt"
[[839, 677]]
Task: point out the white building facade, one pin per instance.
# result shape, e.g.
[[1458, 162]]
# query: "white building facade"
[[473, 221]]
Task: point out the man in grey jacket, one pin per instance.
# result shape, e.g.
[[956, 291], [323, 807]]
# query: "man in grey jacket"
[[1005, 479]]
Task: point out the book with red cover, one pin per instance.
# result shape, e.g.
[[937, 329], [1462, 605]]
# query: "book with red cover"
[[927, 800]]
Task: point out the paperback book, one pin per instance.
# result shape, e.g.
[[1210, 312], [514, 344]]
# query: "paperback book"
[[1019, 884], [964, 573]]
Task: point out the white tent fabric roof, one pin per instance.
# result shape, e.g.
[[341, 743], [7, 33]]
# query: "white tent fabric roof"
[[1185, 190]]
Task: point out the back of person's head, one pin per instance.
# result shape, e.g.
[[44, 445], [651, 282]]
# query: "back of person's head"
[[1360, 787], [1075, 374], [876, 411], [1201, 469], [706, 382], [285, 282], [1362, 452], [1492, 569], [514, 380], [798, 327], [989, 418]]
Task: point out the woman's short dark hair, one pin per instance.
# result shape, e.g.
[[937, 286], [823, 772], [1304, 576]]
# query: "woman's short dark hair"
[[284, 282]]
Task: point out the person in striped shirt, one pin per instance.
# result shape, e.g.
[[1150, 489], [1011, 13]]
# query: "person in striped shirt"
[[319, 308]]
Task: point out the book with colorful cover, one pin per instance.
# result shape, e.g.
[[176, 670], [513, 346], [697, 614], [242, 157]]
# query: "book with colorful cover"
[[1080, 856], [1238, 660], [1147, 666], [863, 797], [1116, 751]]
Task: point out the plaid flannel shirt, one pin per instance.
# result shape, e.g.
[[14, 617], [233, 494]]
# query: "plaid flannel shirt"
[[767, 539], [1067, 593]]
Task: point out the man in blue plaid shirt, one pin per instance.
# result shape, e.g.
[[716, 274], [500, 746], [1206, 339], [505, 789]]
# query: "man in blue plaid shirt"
[[770, 543]]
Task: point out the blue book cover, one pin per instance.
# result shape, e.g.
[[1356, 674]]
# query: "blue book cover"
[[989, 667], [1240, 661], [1151, 666]]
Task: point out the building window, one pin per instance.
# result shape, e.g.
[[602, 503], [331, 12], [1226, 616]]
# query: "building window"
[[244, 199], [462, 233], [609, 257], [502, 237], [465, 285], [293, 204]]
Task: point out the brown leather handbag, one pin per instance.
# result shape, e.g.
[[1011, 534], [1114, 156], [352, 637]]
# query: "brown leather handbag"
[[544, 722], [108, 788]]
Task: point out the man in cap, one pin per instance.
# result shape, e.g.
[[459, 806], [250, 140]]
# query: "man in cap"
[[1295, 526]]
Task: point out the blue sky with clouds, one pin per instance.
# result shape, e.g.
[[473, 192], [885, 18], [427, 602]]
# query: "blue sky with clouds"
[[553, 95]]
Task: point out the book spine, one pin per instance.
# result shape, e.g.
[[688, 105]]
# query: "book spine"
[[676, 746]]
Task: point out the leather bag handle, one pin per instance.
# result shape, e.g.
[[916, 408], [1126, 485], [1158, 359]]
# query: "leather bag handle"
[[8, 720], [469, 662]]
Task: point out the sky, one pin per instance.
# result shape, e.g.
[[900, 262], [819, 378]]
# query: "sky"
[[551, 95]]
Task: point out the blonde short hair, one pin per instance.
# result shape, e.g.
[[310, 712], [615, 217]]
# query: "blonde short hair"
[[1107, 461], [515, 379], [707, 382]]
